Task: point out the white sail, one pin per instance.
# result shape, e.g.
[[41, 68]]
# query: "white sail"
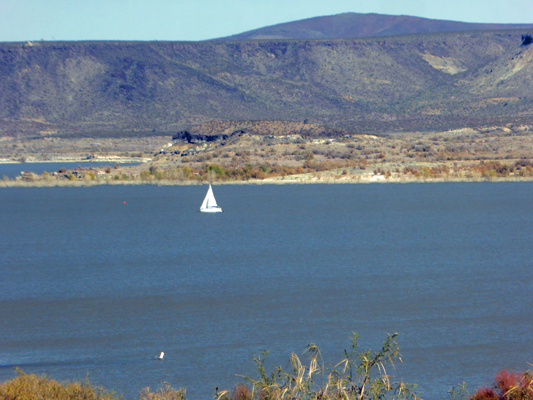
[[210, 204]]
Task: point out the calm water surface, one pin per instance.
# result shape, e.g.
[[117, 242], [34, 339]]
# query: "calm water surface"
[[99, 280]]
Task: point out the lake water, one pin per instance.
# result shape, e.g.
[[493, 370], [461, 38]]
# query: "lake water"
[[99, 280]]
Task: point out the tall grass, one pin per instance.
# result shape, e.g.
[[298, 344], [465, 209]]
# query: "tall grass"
[[165, 392], [361, 375]]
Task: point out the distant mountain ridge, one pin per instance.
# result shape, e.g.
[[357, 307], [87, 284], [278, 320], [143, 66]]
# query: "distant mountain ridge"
[[356, 25], [419, 82]]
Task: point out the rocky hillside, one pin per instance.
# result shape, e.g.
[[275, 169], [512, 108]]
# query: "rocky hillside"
[[402, 83]]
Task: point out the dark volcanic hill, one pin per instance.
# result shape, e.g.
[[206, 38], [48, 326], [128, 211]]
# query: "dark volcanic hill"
[[355, 25], [402, 83]]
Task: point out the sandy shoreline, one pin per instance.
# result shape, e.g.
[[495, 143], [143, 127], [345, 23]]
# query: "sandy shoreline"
[[281, 181], [118, 160]]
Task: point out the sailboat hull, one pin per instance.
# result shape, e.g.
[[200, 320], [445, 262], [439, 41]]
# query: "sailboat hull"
[[211, 210]]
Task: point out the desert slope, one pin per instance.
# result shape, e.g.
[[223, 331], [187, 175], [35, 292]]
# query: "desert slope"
[[402, 83]]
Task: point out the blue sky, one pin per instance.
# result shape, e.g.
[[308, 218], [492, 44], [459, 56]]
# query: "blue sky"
[[23, 20]]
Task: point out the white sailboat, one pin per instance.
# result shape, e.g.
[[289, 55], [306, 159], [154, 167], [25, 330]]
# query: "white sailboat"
[[210, 204]]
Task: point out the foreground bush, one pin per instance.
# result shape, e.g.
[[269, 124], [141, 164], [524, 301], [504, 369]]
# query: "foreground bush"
[[33, 387], [359, 376], [508, 386], [166, 392]]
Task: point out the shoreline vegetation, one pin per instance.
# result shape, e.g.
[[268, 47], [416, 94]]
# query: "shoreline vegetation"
[[278, 152], [310, 173], [361, 375]]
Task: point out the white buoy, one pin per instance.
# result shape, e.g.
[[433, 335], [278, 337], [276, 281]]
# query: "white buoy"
[[161, 355]]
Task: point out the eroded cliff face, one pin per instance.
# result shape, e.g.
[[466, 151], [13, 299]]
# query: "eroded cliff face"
[[403, 83]]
